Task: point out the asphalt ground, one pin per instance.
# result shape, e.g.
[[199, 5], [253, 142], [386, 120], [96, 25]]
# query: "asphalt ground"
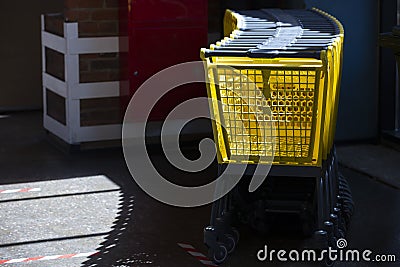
[[86, 202]]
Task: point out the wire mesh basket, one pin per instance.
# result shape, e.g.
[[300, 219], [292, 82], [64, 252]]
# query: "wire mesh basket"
[[278, 84]]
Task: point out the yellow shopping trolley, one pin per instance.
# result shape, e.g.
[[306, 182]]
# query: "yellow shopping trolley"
[[275, 78]]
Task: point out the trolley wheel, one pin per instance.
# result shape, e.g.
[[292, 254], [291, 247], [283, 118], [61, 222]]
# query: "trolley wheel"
[[235, 234], [229, 243], [328, 263], [218, 254], [332, 243]]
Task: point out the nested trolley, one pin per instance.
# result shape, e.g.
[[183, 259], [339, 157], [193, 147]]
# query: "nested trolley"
[[277, 77]]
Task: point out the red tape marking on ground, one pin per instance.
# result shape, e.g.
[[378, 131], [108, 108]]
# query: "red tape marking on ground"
[[198, 255], [23, 190], [46, 258]]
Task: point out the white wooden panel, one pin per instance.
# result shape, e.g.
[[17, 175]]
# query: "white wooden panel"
[[74, 119], [44, 106], [71, 46], [71, 72], [96, 90], [56, 128], [54, 42], [43, 47], [42, 22], [71, 30], [94, 45], [55, 85]]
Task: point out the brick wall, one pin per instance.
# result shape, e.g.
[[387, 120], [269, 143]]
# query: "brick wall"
[[54, 23], [97, 18], [55, 63], [98, 67]]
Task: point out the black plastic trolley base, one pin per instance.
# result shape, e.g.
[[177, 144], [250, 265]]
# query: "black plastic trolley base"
[[325, 213]]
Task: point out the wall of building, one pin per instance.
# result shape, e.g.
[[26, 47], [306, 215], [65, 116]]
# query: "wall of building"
[[358, 108], [387, 71], [20, 52]]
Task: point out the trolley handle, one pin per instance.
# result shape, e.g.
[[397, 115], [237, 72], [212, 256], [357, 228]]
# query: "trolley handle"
[[263, 53]]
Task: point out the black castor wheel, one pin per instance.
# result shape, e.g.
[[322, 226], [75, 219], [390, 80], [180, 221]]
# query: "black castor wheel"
[[236, 235], [219, 254], [229, 243], [328, 263], [231, 239]]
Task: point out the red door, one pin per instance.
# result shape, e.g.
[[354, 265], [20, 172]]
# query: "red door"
[[163, 33]]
